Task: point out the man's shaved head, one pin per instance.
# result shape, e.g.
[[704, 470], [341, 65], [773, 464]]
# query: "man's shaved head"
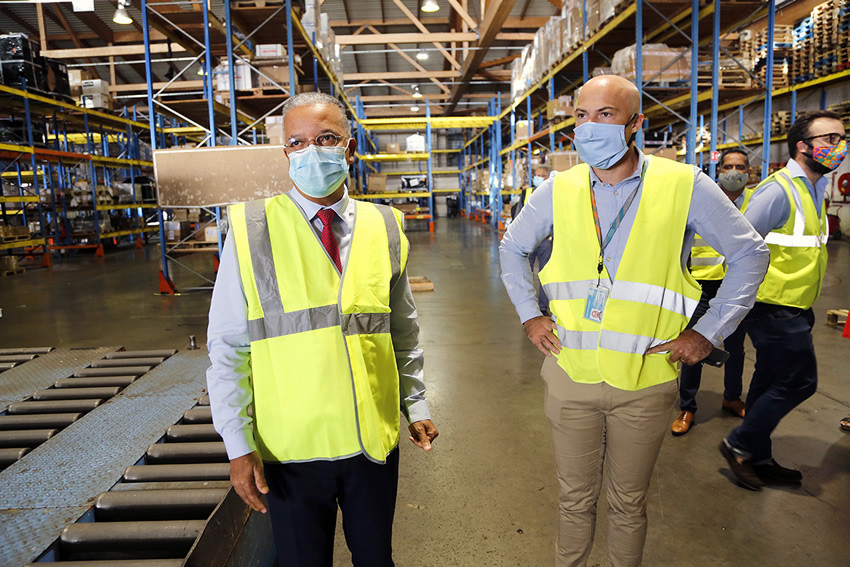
[[612, 89]]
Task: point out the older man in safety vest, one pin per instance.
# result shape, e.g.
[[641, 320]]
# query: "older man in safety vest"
[[788, 209], [313, 325], [621, 296]]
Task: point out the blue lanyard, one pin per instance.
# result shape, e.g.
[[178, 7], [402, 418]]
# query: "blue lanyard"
[[617, 220]]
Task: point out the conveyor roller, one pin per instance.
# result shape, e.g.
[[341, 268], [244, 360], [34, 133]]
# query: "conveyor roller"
[[25, 437], [38, 421], [184, 453], [52, 406], [103, 392], [138, 505]]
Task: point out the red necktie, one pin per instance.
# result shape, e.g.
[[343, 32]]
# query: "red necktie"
[[328, 238]]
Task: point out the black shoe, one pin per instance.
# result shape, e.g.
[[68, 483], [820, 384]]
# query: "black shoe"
[[774, 472], [741, 466]]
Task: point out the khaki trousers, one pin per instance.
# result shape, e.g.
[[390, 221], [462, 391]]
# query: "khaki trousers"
[[596, 427]]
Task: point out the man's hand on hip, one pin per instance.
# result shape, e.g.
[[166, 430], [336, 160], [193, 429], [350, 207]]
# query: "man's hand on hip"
[[690, 347], [246, 476], [422, 433], [540, 332]]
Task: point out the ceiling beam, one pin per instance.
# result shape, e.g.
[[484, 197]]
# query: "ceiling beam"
[[463, 14], [497, 62], [412, 61], [499, 74], [20, 21], [531, 22], [402, 75], [96, 25], [431, 37], [63, 21], [424, 30], [494, 18], [386, 22], [138, 87], [113, 51]]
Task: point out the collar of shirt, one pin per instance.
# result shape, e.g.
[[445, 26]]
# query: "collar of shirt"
[[797, 171], [740, 200], [595, 181], [311, 209]]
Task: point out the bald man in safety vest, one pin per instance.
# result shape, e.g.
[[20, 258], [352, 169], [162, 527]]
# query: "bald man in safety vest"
[[619, 288], [314, 347]]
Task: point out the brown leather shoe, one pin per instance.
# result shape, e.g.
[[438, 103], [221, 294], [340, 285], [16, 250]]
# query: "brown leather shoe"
[[736, 407], [683, 423]]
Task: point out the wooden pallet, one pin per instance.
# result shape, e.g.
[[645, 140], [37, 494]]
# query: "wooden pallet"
[[5, 273], [420, 283], [14, 238], [833, 317]]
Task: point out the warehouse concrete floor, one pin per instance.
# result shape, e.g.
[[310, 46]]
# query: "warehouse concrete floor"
[[487, 493]]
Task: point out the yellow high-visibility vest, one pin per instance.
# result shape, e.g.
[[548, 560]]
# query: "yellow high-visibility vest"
[[797, 249], [706, 262], [323, 369], [653, 297]]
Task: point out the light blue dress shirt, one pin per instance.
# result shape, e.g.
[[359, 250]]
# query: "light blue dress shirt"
[[769, 207], [228, 341], [712, 215]]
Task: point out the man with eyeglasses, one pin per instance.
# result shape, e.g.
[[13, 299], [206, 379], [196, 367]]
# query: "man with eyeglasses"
[[789, 211], [313, 341]]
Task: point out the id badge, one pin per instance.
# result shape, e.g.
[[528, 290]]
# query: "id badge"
[[597, 295]]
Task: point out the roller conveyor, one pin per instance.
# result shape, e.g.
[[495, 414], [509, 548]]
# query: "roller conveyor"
[[25, 438], [51, 420], [94, 381], [152, 515], [101, 393]]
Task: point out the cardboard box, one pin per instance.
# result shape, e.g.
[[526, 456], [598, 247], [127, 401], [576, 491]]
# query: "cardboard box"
[[277, 72], [176, 231], [377, 183], [210, 233], [273, 50], [75, 81], [242, 77], [94, 86], [524, 129], [661, 64], [393, 148], [559, 108], [562, 161], [274, 130], [96, 100]]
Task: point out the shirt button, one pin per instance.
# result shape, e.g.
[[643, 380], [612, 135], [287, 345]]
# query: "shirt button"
[[608, 259], [616, 192]]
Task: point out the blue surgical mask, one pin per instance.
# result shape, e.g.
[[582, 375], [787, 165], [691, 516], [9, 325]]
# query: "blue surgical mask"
[[602, 145], [317, 171], [537, 180]]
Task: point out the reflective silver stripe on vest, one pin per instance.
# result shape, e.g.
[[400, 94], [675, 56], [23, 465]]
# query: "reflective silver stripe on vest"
[[279, 324], [260, 247], [568, 290], [797, 238], [707, 261], [394, 240], [654, 295], [366, 323], [699, 241], [630, 344], [578, 340]]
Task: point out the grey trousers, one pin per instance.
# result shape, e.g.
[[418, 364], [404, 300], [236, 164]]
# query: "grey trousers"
[[597, 428]]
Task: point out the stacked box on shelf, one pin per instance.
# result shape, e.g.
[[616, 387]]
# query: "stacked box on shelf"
[[842, 108], [19, 62], [783, 53]]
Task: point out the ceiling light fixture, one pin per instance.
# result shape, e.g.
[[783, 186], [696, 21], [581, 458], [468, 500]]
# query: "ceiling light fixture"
[[416, 93], [414, 109], [422, 55], [121, 16], [430, 6]]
